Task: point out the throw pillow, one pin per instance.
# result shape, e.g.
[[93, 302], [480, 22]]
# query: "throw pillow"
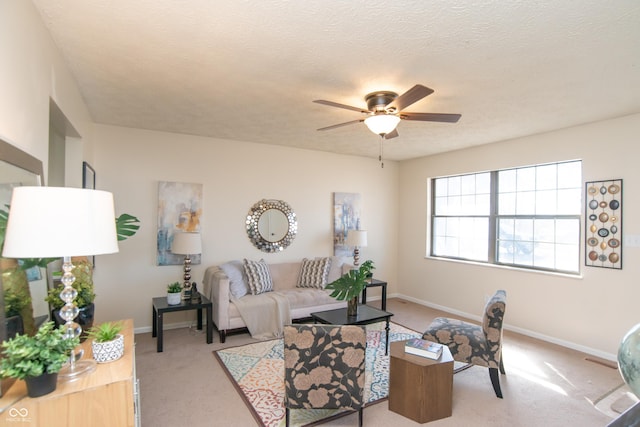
[[258, 276], [235, 272], [314, 273]]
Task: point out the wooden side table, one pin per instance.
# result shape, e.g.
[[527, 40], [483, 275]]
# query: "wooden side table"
[[420, 388], [160, 307]]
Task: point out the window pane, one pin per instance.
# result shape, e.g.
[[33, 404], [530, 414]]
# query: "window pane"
[[507, 181], [526, 203], [526, 179], [507, 203], [570, 175], [544, 255], [483, 183], [569, 201], [546, 177], [546, 202]]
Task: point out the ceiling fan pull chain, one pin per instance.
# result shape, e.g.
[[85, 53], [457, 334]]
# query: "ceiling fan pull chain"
[[380, 155]]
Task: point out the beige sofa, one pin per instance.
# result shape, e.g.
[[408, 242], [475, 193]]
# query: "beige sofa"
[[222, 285]]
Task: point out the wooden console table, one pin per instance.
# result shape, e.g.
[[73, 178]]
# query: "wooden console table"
[[103, 398], [420, 388]]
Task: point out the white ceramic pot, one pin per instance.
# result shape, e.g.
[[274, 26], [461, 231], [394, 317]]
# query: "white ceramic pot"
[[174, 299], [108, 351]]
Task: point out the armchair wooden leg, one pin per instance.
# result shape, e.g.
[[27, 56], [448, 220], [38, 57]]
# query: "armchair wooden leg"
[[286, 417], [360, 416], [502, 366], [495, 380]]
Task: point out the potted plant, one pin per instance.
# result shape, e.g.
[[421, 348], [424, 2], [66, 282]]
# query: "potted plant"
[[174, 293], [349, 286], [37, 359], [108, 342]]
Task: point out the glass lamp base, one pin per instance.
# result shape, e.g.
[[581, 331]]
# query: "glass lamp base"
[[73, 372]]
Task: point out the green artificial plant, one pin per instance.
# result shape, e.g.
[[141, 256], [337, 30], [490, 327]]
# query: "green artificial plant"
[[350, 285], [174, 288], [32, 356], [107, 331]]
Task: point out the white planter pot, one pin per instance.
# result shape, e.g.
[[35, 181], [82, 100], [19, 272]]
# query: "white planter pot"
[[109, 351], [174, 299]]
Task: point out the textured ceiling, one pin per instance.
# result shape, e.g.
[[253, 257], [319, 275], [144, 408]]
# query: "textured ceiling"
[[249, 70]]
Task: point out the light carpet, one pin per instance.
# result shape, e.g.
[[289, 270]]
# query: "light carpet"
[[257, 371]]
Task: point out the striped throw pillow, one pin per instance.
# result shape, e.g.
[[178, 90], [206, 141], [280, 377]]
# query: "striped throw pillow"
[[258, 276], [314, 273]]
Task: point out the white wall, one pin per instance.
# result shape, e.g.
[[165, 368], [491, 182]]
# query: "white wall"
[[32, 72], [235, 175], [591, 312]]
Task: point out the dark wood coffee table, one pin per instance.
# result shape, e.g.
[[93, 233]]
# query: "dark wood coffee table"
[[366, 316]]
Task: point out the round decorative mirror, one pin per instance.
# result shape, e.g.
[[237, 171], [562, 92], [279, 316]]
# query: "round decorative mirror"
[[271, 225]]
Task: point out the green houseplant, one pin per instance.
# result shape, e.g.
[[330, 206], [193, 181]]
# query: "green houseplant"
[[108, 342], [174, 293], [349, 286], [37, 358]]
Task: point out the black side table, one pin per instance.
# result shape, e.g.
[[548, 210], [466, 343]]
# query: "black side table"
[[372, 283], [160, 307]]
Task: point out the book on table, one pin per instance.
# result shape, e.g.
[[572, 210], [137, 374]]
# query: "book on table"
[[424, 348]]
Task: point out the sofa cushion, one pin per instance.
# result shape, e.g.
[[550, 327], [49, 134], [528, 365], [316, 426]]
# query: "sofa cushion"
[[313, 273], [337, 268], [235, 272], [258, 276]]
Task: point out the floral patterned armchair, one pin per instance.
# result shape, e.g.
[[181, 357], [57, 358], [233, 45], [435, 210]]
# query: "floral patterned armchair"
[[324, 367], [475, 344]]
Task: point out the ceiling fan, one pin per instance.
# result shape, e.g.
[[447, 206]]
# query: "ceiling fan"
[[385, 110]]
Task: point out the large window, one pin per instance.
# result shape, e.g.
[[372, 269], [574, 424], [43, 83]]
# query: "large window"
[[527, 217]]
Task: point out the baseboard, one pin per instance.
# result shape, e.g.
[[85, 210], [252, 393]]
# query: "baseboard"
[[522, 331], [146, 329]]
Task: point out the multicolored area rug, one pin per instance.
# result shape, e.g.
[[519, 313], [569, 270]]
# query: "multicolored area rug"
[[257, 371]]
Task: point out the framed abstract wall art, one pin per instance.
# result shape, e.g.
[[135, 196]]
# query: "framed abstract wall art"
[[179, 210], [603, 223], [347, 210]]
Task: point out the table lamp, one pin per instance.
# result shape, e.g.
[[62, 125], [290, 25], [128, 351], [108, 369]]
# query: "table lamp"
[[186, 244], [357, 239], [51, 222]]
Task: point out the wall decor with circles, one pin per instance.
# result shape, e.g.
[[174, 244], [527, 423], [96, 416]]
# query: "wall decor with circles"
[[603, 223]]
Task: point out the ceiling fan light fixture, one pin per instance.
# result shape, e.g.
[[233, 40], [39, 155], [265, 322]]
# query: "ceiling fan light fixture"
[[382, 124]]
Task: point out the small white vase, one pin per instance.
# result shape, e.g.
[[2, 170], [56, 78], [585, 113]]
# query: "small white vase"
[[108, 351], [174, 299]]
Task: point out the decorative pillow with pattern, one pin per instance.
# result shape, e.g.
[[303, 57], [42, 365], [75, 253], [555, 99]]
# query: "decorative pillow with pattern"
[[235, 272], [314, 273], [258, 276]]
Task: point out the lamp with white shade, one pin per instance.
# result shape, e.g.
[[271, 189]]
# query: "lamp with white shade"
[[51, 222], [187, 244], [357, 239]]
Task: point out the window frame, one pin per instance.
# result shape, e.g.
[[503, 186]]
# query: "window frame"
[[493, 218]]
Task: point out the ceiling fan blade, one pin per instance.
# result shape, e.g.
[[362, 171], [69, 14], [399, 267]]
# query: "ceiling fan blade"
[[431, 117], [341, 124], [414, 94], [335, 104], [394, 133]]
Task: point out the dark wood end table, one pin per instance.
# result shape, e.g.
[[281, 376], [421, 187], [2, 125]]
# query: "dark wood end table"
[[420, 388], [160, 307], [366, 316], [372, 283]]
